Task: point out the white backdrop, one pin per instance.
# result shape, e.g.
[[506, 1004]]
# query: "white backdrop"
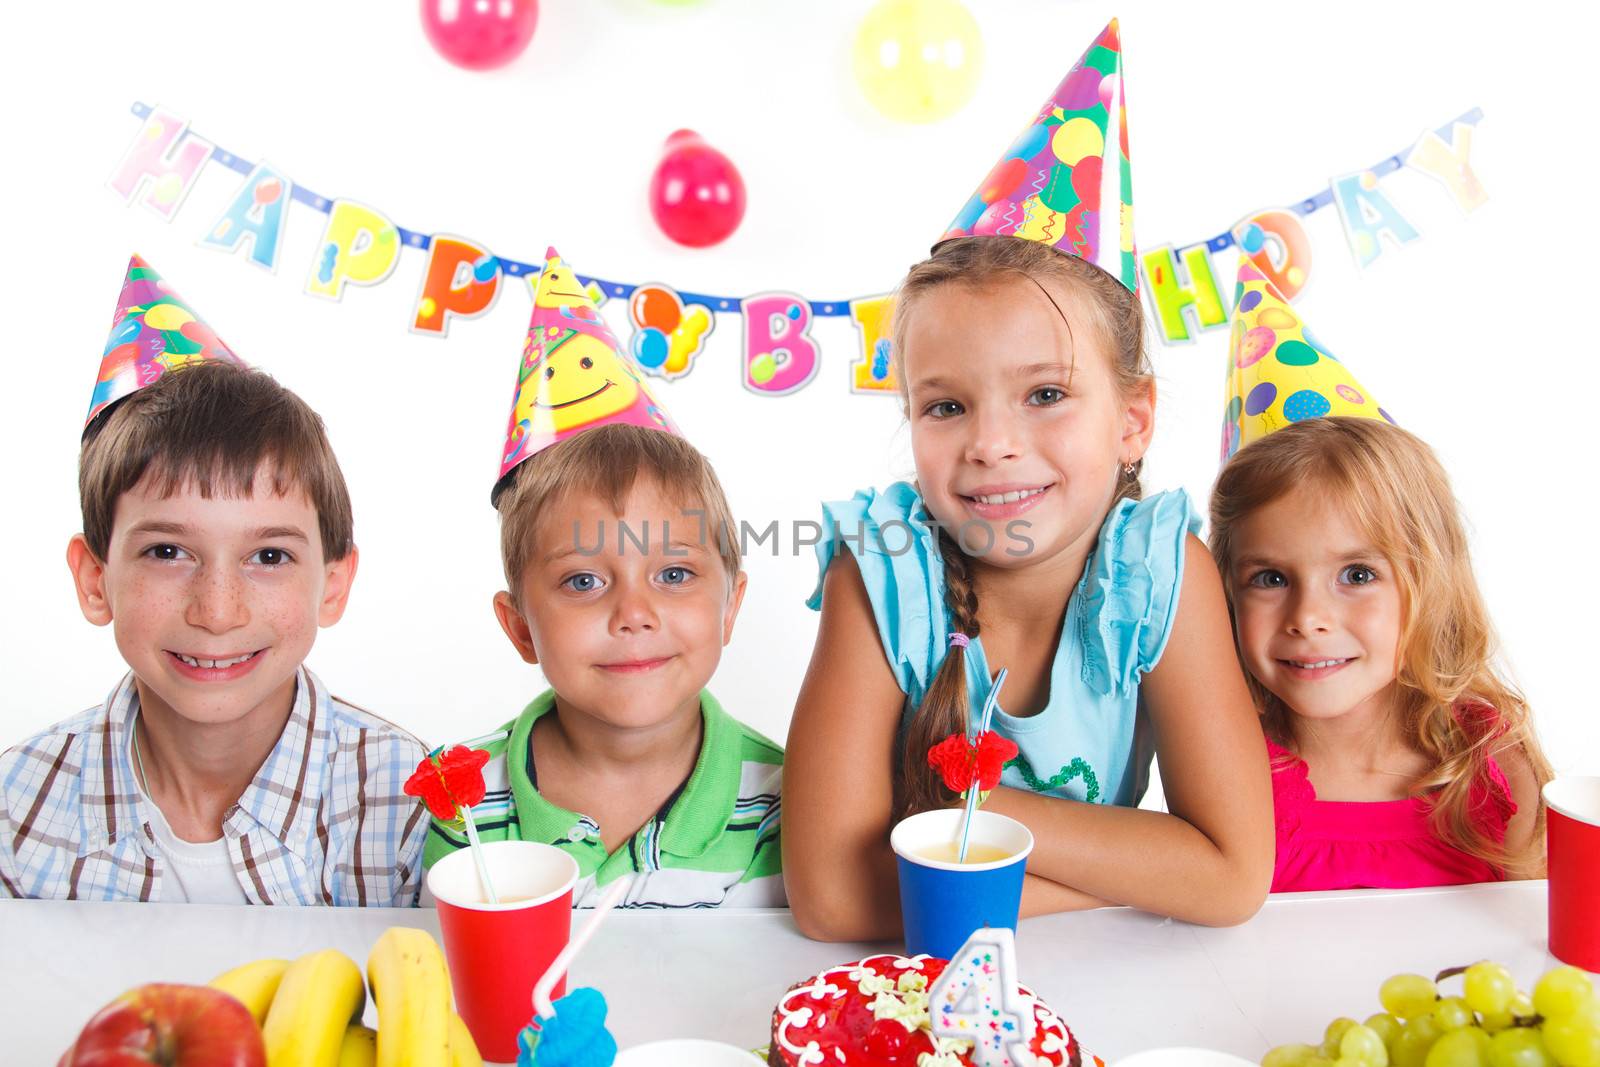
[[1466, 334]]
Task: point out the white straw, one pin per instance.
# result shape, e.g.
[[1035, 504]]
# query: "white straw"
[[558, 967], [972, 793], [477, 854]]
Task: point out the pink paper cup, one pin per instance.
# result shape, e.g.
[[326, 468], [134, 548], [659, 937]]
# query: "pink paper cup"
[[496, 952], [1572, 839]]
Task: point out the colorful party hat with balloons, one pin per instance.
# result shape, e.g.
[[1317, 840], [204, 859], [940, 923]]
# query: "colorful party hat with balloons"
[[153, 331], [1066, 181], [1277, 372], [574, 376]]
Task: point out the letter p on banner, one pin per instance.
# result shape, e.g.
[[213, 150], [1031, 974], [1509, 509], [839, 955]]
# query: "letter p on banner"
[[461, 281], [359, 246]]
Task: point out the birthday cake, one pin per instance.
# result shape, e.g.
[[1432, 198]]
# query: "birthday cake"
[[874, 1013]]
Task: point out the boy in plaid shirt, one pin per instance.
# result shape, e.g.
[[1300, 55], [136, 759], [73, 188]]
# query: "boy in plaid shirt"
[[217, 539]]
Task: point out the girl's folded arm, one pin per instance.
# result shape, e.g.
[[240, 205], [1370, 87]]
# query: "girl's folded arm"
[[1210, 860], [838, 774]]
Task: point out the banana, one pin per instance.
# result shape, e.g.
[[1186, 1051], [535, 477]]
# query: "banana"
[[411, 989], [253, 984], [320, 994], [360, 1047], [463, 1050]]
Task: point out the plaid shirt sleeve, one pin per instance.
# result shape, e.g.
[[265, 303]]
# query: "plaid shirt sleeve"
[[325, 820]]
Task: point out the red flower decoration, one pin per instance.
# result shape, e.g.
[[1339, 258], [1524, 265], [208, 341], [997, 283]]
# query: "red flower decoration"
[[963, 763], [452, 781]]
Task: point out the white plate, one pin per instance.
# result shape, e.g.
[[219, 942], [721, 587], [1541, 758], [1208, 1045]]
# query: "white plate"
[[1182, 1057], [686, 1052]]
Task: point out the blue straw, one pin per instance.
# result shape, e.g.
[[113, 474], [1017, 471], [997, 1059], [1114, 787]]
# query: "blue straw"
[[972, 792]]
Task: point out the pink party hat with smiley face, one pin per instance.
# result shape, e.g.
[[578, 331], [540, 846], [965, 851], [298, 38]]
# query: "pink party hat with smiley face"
[[1277, 372], [153, 331], [1065, 181], [574, 375]]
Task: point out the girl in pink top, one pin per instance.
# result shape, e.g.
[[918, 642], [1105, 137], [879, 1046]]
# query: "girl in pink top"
[[1400, 756]]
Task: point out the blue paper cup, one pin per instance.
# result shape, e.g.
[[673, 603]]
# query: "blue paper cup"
[[943, 902]]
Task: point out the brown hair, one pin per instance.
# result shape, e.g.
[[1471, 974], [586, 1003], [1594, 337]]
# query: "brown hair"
[[606, 462], [1398, 494], [1118, 321], [211, 425]]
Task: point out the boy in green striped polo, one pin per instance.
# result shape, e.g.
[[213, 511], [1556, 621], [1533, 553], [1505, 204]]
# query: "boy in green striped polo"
[[623, 582]]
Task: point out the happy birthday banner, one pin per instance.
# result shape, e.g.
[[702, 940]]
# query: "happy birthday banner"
[[360, 246]]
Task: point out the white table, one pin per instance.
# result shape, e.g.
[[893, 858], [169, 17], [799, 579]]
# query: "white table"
[[1122, 979]]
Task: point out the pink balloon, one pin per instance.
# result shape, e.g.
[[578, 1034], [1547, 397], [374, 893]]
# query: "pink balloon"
[[696, 193], [480, 34]]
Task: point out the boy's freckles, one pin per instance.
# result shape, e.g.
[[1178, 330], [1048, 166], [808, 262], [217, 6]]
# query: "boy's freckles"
[[215, 602]]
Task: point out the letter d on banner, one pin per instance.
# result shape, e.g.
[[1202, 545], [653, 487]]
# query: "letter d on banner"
[[779, 357], [359, 246]]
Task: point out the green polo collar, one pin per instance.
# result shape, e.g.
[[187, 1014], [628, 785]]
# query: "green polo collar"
[[692, 818]]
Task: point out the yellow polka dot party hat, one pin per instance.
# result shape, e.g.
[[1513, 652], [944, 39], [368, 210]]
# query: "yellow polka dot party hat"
[[1065, 181], [1277, 372], [574, 375], [152, 331]]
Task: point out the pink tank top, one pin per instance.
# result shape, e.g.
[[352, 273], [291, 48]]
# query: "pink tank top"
[[1343, 844]]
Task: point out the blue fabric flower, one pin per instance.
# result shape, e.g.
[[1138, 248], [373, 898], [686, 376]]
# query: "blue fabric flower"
[[575, 1036]]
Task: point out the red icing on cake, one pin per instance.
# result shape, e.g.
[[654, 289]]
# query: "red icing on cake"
[[829, 1020]]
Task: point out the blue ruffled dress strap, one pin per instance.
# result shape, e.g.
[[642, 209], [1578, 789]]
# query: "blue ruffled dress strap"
[[896, 549], [1130, 589]]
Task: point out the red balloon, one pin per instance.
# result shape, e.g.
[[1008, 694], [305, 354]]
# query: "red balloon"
[[652, 306], [480, 34], [696, 194]]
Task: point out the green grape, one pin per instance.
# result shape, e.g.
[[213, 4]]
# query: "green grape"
[[1495, 1021], [1334, 1034], [1522, 1005], [1563, 991], [1363, 1045], [1385, 1026], [1289, 1056], [1488, 988], [1319, 1060], [1572, 1040], [1452, 1013], [1408, 995], [1411, 1050], [1466, 1047], [1519, 1047]]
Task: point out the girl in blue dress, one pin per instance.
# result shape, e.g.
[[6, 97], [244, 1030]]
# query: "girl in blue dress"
[[1025, 543]]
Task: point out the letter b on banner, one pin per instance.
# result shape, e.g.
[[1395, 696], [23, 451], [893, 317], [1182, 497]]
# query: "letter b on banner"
[[779, 356]]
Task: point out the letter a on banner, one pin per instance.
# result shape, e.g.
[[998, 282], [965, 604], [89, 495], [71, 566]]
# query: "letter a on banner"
[[256, 216], [165, 156], [779, 356], [1368, 215]]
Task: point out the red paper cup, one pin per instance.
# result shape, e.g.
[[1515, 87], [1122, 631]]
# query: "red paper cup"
[[497, 952], [1572, 836]]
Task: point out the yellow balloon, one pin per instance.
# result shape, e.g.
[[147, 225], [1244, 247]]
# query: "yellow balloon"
[[167, 317], [918, 60]]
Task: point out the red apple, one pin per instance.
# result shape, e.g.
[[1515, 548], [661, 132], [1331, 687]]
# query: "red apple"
[[171, 1025]]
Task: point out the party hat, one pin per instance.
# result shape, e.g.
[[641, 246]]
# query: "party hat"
[[574, 375], [1066, 181], [1277, 372], [153, 331]]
